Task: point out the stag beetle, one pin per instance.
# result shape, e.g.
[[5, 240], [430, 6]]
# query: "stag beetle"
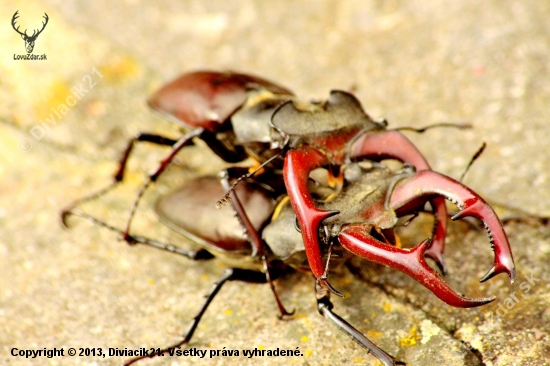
[[202, 102], [241, 116], [369, 203]]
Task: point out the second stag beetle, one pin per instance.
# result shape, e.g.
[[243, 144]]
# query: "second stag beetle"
[[241, 116], [369, 203]]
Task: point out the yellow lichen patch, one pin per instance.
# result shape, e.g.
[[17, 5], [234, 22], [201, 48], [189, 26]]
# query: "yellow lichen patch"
[[412, 339], [150, 282], [54, 105], [428, 330], [261, 347], [387, 307], [120, 69], [133, 177], [374, 334], [307, 352], [469, 333], [227, 312], [304, 339]]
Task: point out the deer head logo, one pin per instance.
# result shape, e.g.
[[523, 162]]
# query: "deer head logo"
[[29, 40]]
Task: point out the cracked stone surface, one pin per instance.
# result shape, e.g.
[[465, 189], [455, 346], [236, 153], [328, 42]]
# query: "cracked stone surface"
[[413, 63]]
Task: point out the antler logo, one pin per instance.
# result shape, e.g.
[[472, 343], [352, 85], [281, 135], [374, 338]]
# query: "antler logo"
[[29, 40]]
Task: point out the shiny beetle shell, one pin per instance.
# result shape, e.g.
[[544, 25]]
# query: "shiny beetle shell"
[[207, 98]]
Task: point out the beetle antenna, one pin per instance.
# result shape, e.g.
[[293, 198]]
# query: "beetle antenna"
[[194, 255], [460, 126], [226, 198], [474, 158]]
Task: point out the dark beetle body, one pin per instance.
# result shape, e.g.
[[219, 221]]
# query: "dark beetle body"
[[238, 110], [253, 117], [368, 206], [365, 211], [191, 211], [323, 195], [241, 116], [207, 98]]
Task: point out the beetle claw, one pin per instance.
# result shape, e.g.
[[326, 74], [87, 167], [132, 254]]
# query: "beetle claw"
[[378, 145], [435, 251], [489, 274], [312, 219], [64, 218], [504, 261], [325, 283], [437, 256], [426, 184], [410, 262], [298, 165]]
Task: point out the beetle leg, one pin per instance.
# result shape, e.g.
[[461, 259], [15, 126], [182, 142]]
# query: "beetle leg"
[[119, 175], [234, 155], [284, 313], [258, 244], [141, 137], [395, 145], [70, 209], [426, 184], [410, 262], [324, 305], [253, 235], [176, 148], [298, 165], [231, 274]]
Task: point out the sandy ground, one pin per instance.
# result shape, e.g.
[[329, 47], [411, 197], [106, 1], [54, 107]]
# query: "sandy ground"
[[413, 63]]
